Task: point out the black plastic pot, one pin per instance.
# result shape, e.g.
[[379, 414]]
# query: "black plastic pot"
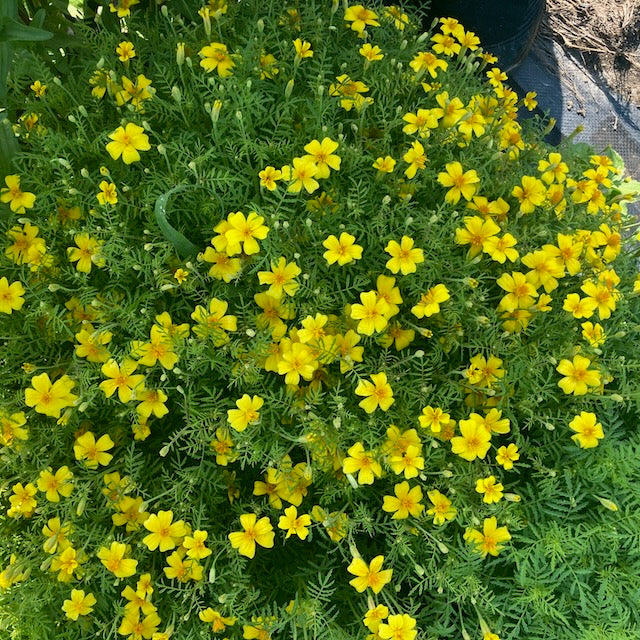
[[506, 28]]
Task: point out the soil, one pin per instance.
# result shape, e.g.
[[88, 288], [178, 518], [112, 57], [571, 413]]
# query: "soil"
[[604, 35]]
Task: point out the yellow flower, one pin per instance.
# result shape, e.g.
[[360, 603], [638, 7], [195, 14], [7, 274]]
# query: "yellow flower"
[[165, 534], [268, 177], [125, 51], [133, 627], [152, 401], [281, 278], [108, 193], [302, 175], [416, 158], [127, 141], [47, 398], [373, 617], [11, 296], [507, 455], [18, 200], [488, 541], [292, 523], [461, 184], [433, 419], [369, 576], [137, 91], [427, 61], [491, 490], [214, 323], [593, 334], [362, 462], [216, 619], [254, 532], [474, 442], [92, 451], [79, 604], [530, 194], [398, 627], [442, 509], [501, 249], [477, 231], [121, 379], [247, 412], [377, 393], [114, 560], [11, 428], [429, 303], [410, 462], [520, 291], [577, 376], [122, 7], [182, 568], [588, 430], [384, 165], [86, 253], [321, 153], [91, 344], [216, 58], [38, 88], [405, 503], [55, 484], [579, 307], [404, 257], [371, 53], [372, 313], [303, 49], [342, 250], [242, 232], [361, 18], [195, 545], [22, 501]]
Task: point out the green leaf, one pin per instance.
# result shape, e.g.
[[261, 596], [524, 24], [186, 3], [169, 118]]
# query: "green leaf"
[[184, 247], [6, 53], [616, 158], [12, 30], [8, 145]]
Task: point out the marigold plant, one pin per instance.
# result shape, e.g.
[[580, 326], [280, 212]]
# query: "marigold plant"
[[306, 334]]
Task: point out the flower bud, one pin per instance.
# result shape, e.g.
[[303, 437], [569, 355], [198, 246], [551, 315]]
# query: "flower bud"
[[180, 54], [176, 94], [289, 88]]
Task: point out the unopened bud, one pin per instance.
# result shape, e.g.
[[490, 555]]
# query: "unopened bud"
[[180, 54], [289, 88], [176, 94]]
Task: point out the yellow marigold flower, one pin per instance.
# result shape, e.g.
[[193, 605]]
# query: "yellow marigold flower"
[[11, 428], [593, 334], [404, 257], [22, 500], [38, 88], [165, 534], [137, 92], [410, 462], [92, 451], [214, 323], [489, 540], [384, 165], [474, 442], [399, 18], [79, 604], [373, 617], [347, 350], [242, 232], [293, 523], [490, 489], [134, 627], [342, 250], [445, 44], [442, 509], [108, 193], [25, 241], [127, 141], [460, 183], [216, 619], [267, 64], [370, 53], [91, 344], [223, 266], [428, 61], [530, 194], [55, 484], [577, 376], [321, 154], [159, 349], [152, 401], [520, 291], [130, 513], [281, 278], [19, 201], [47, 398], [372, 313], [268, 177], [579, 307], [588, 430], [297, 361], [398, 627], [195, 545], [603, 296], [405, 503], [369, 576], [215, 57], [415, 158], [467, 39], [56, 535], [477, 231], [506, 456], [10, 296], [125, 51], [377, 393], [553, 169], [247, 412], [361, 461], [303, 49], [545, 267], [302, 175], [433, 419], [350, 91], [361, 18], [430, 301], [114, 560], [86, 253], [121, 379], [254, 532], [122, 7], [501, 248]]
